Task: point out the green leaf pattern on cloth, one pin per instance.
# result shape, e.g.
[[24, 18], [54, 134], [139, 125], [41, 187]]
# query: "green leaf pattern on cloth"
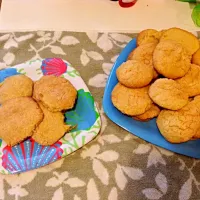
[[116, 165]]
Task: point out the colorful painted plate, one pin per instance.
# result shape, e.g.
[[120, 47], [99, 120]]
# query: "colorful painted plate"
[[29, 154], [145, 130]]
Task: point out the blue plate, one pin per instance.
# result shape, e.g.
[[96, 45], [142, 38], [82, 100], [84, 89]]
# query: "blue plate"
[[145, 130]]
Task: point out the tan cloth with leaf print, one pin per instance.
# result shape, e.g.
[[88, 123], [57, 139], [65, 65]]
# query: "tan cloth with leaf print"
[[117, 165]]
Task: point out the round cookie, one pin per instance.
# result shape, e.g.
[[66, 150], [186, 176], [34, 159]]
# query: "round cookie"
[[148, 36], [55, 93], [131, 54], [196, 57], [16, 86], [144, 54], [185, 38], [191, 81], [149, 114], [197, 104], [134, 74], [160, 33], [51, 129], [180, 126], [171, 59], [18, 119], [168, 94], [131, 101]]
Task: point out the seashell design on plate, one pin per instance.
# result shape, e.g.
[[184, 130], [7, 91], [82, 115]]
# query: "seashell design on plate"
[[29, 155], [53, 66]]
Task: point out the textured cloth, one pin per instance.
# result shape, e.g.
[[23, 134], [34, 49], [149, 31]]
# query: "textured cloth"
[[116, 165]]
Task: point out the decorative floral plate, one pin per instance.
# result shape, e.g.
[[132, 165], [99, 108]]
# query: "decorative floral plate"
[[29, 155], [146, 130]]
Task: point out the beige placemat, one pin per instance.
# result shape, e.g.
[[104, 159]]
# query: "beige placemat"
[[117, 165]]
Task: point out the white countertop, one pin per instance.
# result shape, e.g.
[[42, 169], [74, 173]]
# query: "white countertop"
[[98, 15]]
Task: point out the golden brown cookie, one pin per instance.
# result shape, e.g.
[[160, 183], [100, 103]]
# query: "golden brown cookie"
[[197, 135], [187, 39], [171, 59], [149, 114], [180, 126], [18, 119], [144, 54], [196, 57], [148, 36], [134, 74], [131, 101], [191, 81], [168, 94], [51, 129], [131, 54], [55, 93], [197, 104], [160, 33], [16, 86]]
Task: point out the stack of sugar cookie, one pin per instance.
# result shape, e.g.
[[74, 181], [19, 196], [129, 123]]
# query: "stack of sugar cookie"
[[34, 110], [161, 78]]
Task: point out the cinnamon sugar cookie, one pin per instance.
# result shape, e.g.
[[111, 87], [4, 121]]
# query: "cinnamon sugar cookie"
[[131, 101], [144, 54], [185, 38], [55, 93], [182, 125], [51, 129], [134, 74], [148, 36], [171, 59], [191, 81], [196, 57], [18, 119], [15, 86], [149, 114], [168, 94]]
